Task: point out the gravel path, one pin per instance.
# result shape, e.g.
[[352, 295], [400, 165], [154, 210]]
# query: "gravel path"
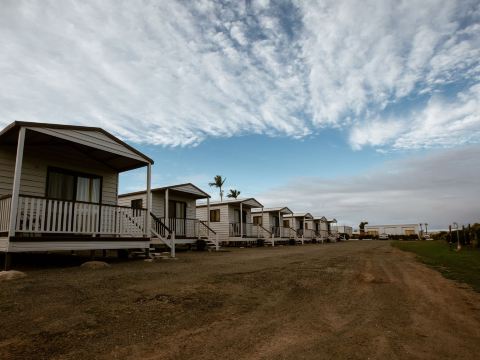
[[353, 300]]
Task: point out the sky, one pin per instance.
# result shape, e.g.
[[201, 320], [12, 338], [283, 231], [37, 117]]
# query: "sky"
[[354, 110]]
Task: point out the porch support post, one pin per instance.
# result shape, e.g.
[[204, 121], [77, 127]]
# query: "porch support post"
[[208, 216], [241, 220], [16, 182], [280, 225], [149, 200], [166, 208]]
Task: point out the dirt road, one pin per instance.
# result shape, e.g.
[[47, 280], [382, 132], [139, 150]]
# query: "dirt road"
[[354, 300]]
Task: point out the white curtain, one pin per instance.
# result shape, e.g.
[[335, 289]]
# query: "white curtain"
[[60, 186]]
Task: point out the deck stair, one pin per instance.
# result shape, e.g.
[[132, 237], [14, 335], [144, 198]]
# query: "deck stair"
[[161, 235], [207, 234]]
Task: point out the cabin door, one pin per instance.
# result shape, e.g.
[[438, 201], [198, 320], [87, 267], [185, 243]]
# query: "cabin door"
[[177, 211]]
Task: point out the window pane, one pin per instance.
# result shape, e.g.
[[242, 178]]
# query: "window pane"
[[180, 210], [95, 196], [83, 189], [88, 189], [60, 186]]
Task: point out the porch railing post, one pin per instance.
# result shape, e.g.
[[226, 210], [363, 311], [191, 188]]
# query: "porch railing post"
[[241, 220], [16, 181]]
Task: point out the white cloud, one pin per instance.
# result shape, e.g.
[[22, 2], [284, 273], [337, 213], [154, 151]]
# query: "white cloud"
[[438, 189], [175, 73]]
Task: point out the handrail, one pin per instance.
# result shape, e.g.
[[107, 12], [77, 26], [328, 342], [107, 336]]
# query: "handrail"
[[266, 230], [159, 222], [208, 227]]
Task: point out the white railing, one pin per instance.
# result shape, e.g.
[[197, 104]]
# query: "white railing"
[[236, 231], [283, 232], [5, 203], [260, 232], [41, 215], [309, 234]]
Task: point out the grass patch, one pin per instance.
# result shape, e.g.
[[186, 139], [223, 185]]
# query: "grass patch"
[[463, 266]]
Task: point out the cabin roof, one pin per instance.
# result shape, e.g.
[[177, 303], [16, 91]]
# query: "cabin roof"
[[250, 202], [283, 210], [305, 215], [187, 188], [94, 142], [323, 218]]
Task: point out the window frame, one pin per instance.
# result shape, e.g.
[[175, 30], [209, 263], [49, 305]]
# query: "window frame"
[[136, 200], [76, 175], [216, 211]]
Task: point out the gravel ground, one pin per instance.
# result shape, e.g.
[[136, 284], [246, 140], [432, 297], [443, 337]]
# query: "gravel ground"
[[353, 300]]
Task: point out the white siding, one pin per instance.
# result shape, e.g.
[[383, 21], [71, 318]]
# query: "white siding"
[[36, 162], [222, 228], [158, 203]]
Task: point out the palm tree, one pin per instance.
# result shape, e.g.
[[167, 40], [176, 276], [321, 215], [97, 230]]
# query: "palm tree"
[[218, 182], [233, 194]]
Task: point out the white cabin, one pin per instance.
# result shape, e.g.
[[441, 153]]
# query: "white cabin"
[[175, 207], [272, 219], [320, 225], [59, 186], [302, 224], [231, 220]]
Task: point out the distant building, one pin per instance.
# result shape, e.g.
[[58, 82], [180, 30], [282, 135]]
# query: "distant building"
[[345, 230], [399, 229]]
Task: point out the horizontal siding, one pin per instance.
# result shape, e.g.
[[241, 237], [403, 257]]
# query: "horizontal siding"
[[36, 161], [222, 228], [158, 203], [3, 244], [7, 169]]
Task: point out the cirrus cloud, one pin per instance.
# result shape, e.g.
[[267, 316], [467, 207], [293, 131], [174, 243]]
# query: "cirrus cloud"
[[175, 73]]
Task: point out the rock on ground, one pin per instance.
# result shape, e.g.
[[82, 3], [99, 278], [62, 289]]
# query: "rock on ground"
[[11, 275], [95, 265]]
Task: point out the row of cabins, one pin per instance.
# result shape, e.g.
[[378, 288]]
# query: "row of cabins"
[[59, 191]]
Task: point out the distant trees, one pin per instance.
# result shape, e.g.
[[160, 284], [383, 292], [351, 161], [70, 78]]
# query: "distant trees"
[[362, 227], [233, 194]]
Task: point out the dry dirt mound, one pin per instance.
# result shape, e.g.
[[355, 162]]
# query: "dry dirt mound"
[[11, 275], [95, 265]]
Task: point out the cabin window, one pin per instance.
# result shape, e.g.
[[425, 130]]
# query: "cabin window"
[[177, 209], [286, 223], [215, 215], [73, 186], [136, 204], [306, 226], [257, 220]]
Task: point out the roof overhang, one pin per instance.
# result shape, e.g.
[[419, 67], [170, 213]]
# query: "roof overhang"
[[284, 210], [187, 189], [250, 203], [301, 215], [95, 143]]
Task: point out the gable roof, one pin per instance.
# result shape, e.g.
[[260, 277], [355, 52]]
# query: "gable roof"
[[187, 188], [82, 136], [283, 210], [250, 202], [305, 215]]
